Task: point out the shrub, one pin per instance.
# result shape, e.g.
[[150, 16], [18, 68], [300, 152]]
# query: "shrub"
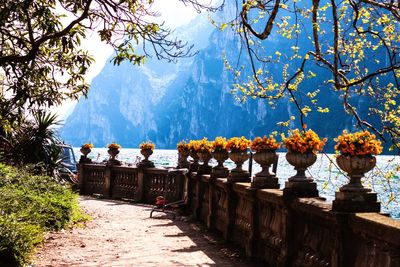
[[29, 206]]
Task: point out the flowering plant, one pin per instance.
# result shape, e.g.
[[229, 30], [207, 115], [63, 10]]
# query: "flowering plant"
[[264, 144], [193, 145], [147, 145], [236, 144], [182, 147], [304, 142], [87, 146], [203, 146], [219, 144], [113, 146], [359, 143]]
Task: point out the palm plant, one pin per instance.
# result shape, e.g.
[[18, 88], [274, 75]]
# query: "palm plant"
[[34, 142]]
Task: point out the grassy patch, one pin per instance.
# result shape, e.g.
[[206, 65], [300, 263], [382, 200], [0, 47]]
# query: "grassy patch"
[[31, 205]]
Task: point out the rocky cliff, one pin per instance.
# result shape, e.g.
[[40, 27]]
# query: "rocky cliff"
[[167, 103]]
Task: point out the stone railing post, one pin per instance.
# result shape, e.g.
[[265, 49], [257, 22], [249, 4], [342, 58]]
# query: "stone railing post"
[[107, 181], [199, 189], [231, 210], [139, 194], [251, 248], [212, 202], [81, 176]]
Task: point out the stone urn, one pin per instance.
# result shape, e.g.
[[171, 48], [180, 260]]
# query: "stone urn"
[[85, 151], [265, 159], [238, 174], [205, 157], [300, 185], [113, 152], [355, 167], [301, 162], [220, 170], [194, 165], [146, 162], [182, 159], [84, 158], [354, 197], [264, 179]]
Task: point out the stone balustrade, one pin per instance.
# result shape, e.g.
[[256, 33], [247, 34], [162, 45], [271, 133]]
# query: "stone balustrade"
[[275, 226], [283, 231], [131, 183]]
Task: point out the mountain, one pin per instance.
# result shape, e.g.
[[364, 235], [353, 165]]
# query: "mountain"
[[167, 103]]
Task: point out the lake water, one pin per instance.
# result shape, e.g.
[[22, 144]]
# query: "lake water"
[[328, 177]]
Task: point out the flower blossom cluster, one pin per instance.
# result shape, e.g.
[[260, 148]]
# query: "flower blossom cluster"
[[304, 142], [264, 144], [359, 143]]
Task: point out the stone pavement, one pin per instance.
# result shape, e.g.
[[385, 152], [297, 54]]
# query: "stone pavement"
[[122, 234]]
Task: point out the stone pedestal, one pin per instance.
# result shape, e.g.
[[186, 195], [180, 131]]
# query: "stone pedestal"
[[239, 177], [294, 189], [356, 202], [146, 164], [260, 182], [84, 160]]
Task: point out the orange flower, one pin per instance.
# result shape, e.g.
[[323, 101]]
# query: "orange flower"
[[113, 146], [202, 145], [147, 145], [182, 147], [304, 142], [236, 144], [219, 143], [264, 144], [87, 146], [358, 143]]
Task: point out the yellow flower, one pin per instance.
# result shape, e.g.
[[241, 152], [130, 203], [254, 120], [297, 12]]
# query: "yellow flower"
[[87, 146], [147, 145], [114, 146], [202, 145], [304, 142], [264, 144], [182, 147], [219, 143], [358, 143], [237, 144]]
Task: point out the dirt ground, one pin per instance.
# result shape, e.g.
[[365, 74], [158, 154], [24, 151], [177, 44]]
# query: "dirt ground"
[[122, 234]]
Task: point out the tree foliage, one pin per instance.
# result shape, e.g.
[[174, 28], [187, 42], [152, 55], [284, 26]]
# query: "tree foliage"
[[349, 47], [41, 59]]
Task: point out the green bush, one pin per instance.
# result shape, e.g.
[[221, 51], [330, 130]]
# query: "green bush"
[[31, 205]]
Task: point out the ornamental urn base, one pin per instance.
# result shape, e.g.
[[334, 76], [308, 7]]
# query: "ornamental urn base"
[[260, 182], [239, 176], [356, 202], [146, 164], [294, 189], [84, 160]]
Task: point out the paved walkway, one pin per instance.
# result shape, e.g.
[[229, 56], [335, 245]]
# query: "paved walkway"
[[122, 234]]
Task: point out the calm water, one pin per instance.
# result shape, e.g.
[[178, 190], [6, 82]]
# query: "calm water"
[[328, 177]]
